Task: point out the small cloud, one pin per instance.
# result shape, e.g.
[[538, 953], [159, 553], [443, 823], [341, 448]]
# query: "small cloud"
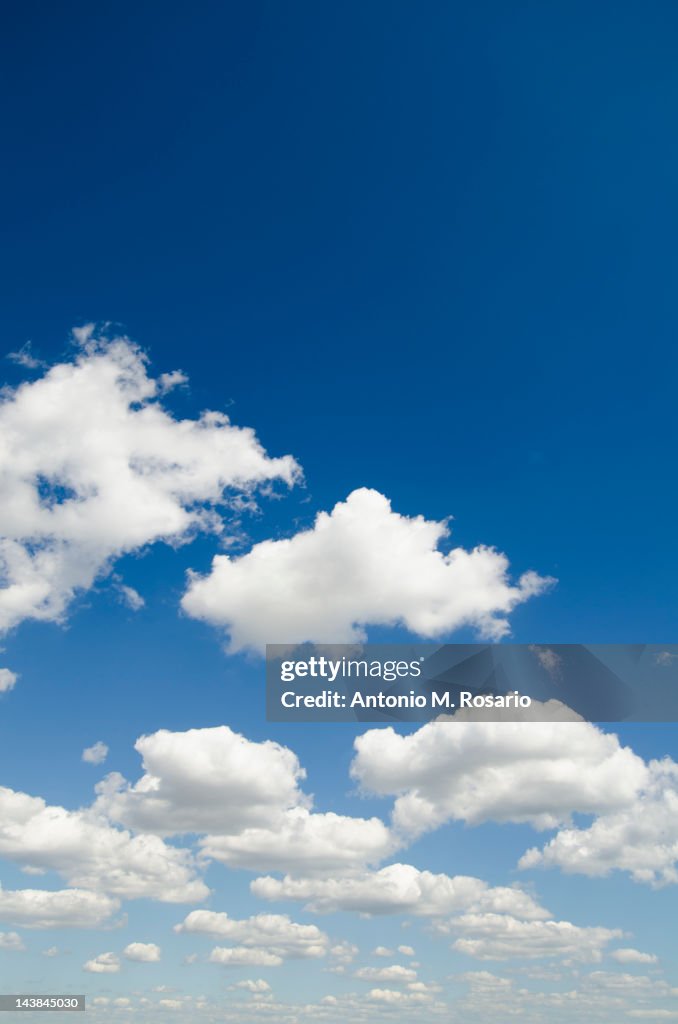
[[548, 659], [24, 357], [383, 951], [406, 950], [7, 680], [11, 941], [665, 658], [128, 596], [633, 956], [105, 963], [142, 952], [51, 952], [167, 381], [96, 754], [255, 987]]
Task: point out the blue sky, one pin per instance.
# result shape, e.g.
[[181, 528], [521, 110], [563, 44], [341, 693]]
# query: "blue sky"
[[423, 251]]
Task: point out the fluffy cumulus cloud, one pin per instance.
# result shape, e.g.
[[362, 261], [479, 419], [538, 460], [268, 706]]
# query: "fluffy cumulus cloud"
[[90, 854], [398, 889], [105, 963], [274, 933], [204, 780], [503, 771], [142, 952], [63, 908], [93, 466], [640, 838], [371, 566], [502, 937], [306, 842]]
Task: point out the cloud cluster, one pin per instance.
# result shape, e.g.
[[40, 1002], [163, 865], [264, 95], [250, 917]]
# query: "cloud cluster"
[[92, 466], [372, 566], [63, 908], [503, 937], [246, 796], [91, 854], [271, 935], [640, 838], [503, 771], [398, 889]]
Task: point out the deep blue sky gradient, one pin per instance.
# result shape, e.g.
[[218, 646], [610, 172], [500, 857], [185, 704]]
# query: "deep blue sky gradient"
[[428, 248]]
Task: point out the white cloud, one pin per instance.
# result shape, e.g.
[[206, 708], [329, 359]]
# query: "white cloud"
[[142, 952], [127, 596], [252, 986], [393, 997], [406, 950], [501, 937], [383, 951], [64, 908], [244, 956], [96, 754], [537, 772], [92, 467], [301, 841], [344, 953], [90, 854], [640, 838], [632, 956], [372, 567], [11, 941], [398, 889], [395, 974], [274, 932], [7, 680], [105, 963], [24, 357], [204, 780]]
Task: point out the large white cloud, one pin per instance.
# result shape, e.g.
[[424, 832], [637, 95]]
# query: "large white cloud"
[[90, 854], [640, 838], [204, 780], [397, 889], [502, 937], [300, 841], [537, 772], [92, 466], [361, 564], [275, 933], [63, 908]]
